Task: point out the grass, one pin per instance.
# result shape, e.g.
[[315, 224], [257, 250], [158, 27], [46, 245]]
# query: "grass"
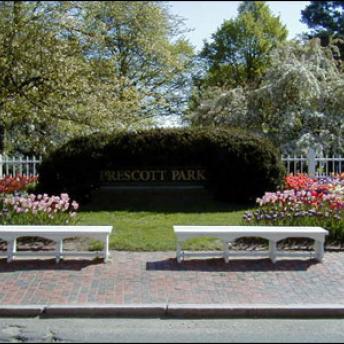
[[143, 220]]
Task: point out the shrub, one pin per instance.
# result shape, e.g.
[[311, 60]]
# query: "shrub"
[[239, 165]]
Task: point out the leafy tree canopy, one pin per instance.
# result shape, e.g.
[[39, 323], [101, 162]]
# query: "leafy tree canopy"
[[238, 54], [74, 68], [325, 15], [326, 21]]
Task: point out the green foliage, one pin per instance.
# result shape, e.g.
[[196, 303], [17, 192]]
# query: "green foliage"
[[143, 45], [240, 166], [75, 68], [298, 104], [238, 54], [324, 15], [39, 73], [326, 21]]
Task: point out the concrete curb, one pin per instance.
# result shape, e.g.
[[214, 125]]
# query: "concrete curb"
[[255, 310], [175, 310], [139, 310], [21, 311]]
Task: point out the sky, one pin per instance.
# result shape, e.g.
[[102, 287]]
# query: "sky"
[[204, 17]]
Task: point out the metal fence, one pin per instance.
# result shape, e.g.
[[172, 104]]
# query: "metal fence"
[[314, 165], [11, 166]]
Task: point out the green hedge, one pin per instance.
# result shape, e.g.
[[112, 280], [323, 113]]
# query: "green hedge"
[[240, 166]]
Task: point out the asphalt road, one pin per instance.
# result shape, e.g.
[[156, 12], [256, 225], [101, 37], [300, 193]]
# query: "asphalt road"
[[170, 330]]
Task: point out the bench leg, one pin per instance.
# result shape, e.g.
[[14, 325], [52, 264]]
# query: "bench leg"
[[11, 250], [59, 252], [273, 251], [179, 252], [106, 251], [319, 250]]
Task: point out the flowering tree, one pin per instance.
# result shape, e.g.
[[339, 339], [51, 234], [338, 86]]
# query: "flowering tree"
[[299, 103]]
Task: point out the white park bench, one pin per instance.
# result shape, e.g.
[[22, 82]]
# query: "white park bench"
[[228, 234], [11, 233]]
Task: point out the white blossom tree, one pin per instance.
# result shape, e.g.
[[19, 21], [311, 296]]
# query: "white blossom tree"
[[299, 104]]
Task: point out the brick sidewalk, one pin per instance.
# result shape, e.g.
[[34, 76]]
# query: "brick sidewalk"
[[157, 278]]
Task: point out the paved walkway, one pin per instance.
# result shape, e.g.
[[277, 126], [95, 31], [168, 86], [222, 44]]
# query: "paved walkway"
[[157, 278]]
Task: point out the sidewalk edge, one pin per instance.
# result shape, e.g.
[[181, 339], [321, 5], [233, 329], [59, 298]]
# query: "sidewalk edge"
[[144, 310], [174, 310], [21, 311], [256, 310]]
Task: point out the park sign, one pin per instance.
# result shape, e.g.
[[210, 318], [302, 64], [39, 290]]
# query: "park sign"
[[154, 176]]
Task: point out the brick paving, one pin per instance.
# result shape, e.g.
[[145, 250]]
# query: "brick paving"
[[157, 278]]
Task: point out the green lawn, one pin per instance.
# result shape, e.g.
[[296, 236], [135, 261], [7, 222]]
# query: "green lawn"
[[143, 220]]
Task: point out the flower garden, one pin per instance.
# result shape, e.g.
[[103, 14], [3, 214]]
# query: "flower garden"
[[304, 201], [19, 207], [18, 183]]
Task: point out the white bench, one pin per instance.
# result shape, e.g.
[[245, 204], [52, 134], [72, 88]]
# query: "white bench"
[[10, 234], [228, 234]]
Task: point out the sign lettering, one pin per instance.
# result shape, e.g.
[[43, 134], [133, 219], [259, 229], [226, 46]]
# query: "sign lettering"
[[166, 175]]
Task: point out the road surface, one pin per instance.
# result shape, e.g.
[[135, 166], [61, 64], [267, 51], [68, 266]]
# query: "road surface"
[[170, 330]]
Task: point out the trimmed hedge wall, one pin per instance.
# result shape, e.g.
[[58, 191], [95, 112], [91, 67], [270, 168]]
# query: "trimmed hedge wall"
[[240, 166]]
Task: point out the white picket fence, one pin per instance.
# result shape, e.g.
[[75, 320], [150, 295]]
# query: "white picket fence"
[[26, 166], [311, 164], [314, 165]]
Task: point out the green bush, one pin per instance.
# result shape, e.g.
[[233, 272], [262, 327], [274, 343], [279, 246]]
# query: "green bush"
[[239, 166]]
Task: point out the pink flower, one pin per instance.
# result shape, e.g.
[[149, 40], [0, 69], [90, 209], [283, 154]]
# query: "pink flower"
[[65, 197], [75, 205]]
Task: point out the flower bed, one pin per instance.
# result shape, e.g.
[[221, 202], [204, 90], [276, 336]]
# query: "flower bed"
[[304, 202], [17, 183], [19, 207], [298, 182], [30, 209]]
